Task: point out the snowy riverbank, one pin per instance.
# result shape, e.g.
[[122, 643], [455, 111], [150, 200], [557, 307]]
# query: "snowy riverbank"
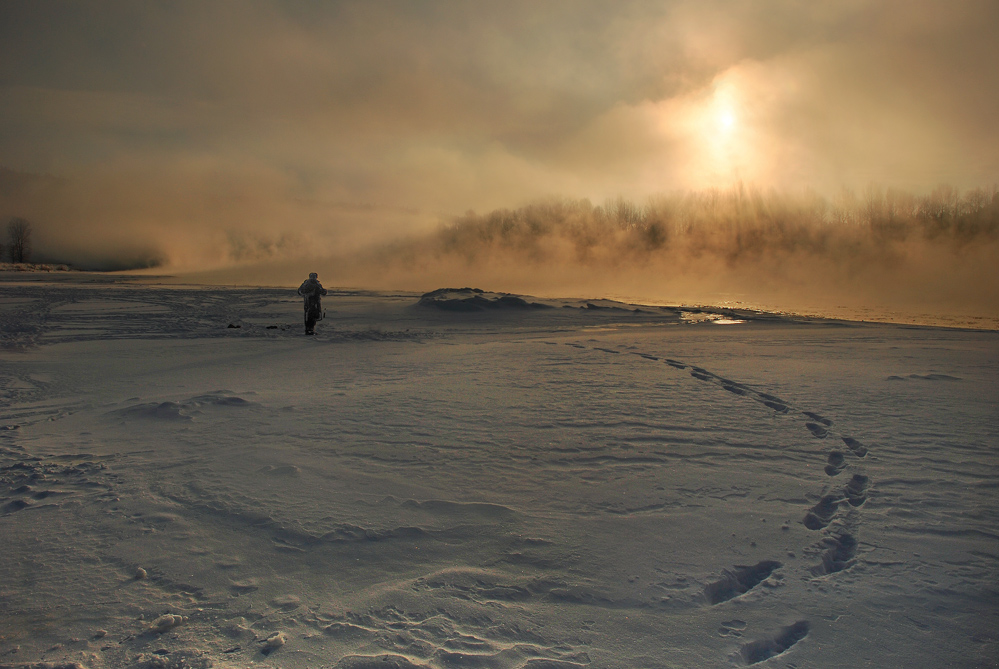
[[466, 484]]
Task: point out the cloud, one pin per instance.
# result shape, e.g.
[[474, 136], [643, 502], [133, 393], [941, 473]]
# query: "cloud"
[[182, 127]]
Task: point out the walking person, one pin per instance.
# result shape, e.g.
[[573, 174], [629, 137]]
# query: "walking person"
[[312, 291]]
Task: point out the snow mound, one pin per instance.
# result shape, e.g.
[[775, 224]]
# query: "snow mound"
[[475, 299], [182, 411]]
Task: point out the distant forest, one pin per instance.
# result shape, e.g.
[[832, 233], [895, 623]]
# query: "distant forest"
[[732, 225]]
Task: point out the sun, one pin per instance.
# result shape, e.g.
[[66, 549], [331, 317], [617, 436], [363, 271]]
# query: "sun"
[[714, 133], [720, 136], [726, 119]]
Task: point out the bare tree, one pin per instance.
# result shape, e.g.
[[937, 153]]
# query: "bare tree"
[[19, 234]]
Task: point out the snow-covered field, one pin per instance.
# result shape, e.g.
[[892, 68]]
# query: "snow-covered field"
[[582, 485]]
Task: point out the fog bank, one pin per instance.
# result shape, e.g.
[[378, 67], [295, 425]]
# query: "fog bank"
[[244, 138], [881, 248], [137, 215]]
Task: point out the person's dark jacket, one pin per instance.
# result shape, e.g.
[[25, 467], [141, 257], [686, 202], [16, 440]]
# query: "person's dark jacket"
[[312, 291]]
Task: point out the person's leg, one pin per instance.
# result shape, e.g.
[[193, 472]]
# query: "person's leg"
[[316, 314]]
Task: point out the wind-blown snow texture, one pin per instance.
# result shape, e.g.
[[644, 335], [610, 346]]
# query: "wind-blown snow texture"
[[425, 484]]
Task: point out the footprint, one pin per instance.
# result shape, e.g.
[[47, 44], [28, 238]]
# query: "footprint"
[[817, 430], [675, 363], [822, 513], [817, 418], [856, 490], [855, 446], [763, 649], [286, 602], [839, 554], [835, 463], [739, 580], [772, 401], [245, 586], [647, 356], [702, 377], [734, 389], [17, 505], [732, 628]]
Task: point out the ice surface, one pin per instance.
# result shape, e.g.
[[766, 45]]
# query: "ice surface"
[[587, 485]]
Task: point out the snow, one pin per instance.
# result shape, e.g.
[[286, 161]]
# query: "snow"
[[504, 485]]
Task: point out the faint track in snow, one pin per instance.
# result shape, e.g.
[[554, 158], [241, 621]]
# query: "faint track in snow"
[[28, 413], [820, 427], [837, 550]]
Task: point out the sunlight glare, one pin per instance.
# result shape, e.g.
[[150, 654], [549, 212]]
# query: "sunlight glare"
[[726, 119], [715, 131]]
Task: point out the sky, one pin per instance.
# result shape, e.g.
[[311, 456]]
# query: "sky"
[[201, 133]]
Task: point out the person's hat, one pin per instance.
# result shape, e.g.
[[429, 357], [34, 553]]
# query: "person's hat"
[[313, 275]]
